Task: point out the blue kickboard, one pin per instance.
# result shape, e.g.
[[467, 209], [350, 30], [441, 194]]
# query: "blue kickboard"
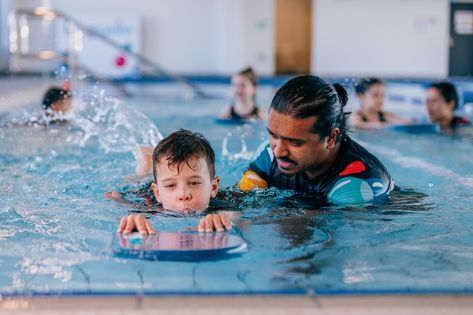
[[180, 245]]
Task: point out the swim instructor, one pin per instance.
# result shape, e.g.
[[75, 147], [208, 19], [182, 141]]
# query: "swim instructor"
[[309, 149]]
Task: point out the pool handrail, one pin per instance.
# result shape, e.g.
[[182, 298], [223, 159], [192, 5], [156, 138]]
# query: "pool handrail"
[[17, 15]]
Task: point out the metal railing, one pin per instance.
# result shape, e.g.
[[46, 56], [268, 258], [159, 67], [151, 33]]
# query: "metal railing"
[[19, 44]]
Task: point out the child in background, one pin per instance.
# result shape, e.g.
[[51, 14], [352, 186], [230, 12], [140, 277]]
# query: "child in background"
[[184, 181], [370, 92], [57, 101], [441, 102], [243, 105]]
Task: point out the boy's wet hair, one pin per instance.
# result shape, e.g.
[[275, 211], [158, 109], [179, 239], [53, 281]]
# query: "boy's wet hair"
[[182, 146], [448, 92], [363, 85], [307, 96], [53, 95]]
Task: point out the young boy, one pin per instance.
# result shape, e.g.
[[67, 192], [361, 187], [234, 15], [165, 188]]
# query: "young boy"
[[184, 181]]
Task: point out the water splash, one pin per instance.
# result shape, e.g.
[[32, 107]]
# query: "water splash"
[[237, 138], [116, 127]]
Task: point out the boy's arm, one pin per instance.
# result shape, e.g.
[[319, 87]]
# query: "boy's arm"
[[118, 197]]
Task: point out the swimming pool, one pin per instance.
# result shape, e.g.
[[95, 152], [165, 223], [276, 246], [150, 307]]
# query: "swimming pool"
[[56, 227]]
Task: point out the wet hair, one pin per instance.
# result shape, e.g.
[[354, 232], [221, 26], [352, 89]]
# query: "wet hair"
[[363, 85], [53, 95], [448, 92], [250, 74], [182, 146], [307, 96]]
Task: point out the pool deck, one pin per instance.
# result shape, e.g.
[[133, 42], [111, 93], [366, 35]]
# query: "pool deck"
[[352, 304]]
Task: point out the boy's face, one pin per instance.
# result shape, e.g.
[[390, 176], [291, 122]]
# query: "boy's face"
[[186, 188]]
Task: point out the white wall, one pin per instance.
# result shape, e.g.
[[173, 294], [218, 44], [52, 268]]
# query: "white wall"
[[196, 37], [177, 35], [390, 38], [245, 35]]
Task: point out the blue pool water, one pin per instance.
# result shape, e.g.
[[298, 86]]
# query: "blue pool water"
[[56, 227]]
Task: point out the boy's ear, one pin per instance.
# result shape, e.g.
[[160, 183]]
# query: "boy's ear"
[[215, 184], [155, 189]]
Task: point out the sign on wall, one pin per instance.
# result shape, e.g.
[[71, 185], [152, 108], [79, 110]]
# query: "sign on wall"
[[463, 22], [102, 58]]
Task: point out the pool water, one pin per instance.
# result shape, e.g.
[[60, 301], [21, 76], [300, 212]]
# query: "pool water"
[[56, 228]]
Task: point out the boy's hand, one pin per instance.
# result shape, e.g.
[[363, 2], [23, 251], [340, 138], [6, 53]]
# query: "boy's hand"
[[218, 222], [135, 222]]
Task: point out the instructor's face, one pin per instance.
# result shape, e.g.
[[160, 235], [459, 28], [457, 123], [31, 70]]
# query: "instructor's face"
[[294, 146]]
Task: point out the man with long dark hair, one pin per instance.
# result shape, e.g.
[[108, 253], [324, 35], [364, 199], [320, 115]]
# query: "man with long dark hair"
[[309, 149]]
